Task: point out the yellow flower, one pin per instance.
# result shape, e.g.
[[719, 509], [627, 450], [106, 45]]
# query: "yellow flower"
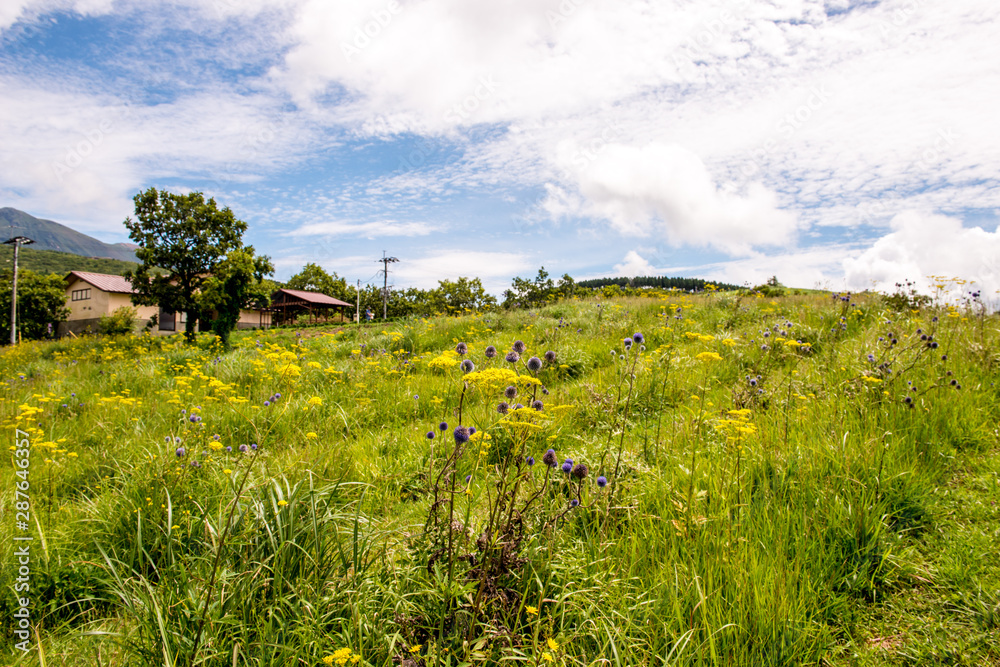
[[282, 503], [547, 657], [311, 435], [416, 649], [553, 644], [532, 610], [315, 400], [328, 660], [708, 356]]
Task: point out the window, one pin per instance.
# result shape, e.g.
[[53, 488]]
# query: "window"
[[167, 320], [81, 294]]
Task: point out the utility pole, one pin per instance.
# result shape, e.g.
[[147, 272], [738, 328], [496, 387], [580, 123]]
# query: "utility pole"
[[17, 242], [357, 309], [385, 282]]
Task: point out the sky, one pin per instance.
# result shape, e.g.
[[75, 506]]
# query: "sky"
[[844, 144]]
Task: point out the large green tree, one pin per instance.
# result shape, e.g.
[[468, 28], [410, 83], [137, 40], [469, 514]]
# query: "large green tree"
[[236, 283], [188, 237], [313, 278], [41, 301]]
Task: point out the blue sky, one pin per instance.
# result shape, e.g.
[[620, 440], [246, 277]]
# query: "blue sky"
[[836, 143]]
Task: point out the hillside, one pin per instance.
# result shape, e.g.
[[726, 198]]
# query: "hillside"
[[50, 235], [51, 261]]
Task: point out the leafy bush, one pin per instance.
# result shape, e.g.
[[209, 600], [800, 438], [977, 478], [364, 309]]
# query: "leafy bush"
[[119, 323]]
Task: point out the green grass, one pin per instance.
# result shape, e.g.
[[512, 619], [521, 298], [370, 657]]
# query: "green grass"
[[779, 506]]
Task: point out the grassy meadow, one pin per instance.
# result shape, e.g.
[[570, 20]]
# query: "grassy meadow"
[[804, 480]]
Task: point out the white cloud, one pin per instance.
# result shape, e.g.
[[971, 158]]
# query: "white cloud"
[[365, 229], [493, 268], [922, 245], [634, 265], [666, 190]]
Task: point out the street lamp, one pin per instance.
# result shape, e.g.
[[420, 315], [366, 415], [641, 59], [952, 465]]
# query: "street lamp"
[[17, 242]]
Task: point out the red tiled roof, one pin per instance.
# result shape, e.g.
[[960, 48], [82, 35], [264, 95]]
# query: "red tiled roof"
[[103, 281], [313, 297]]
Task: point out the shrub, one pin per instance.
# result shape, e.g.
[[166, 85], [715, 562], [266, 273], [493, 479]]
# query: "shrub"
[[119, 323]]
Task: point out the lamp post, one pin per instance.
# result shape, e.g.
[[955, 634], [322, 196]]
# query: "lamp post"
[[17, 242]]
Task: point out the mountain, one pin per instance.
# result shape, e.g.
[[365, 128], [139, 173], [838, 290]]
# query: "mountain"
[[50, 235]]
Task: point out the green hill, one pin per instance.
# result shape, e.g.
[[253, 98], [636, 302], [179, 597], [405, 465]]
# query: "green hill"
[[50, 235], [50, 261]]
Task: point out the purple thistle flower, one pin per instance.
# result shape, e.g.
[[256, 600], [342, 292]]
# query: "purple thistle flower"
[[573, 503], [627, 343], [534, 364], [567, 466], [228, 448], [602, 481], [516, 407], [512, 357], [267, 404], [638, 337], [430, 435], [443, 426], [580, 471], [472, 430], [180, 452], [461, 435], [519, 346], [510, 392], [549, 458], [490, 352], [243, 448], [168, 439], [468, 478], [253, 446], [538, 405], [530, 460], [462, 348], [215, 437], [550, 356], [503, 408], [468, 366]]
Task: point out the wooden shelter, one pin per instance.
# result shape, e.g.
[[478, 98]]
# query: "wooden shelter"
[[287, 305]]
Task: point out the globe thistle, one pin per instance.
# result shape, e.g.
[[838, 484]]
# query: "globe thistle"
[[534, 364], [510, 392], [472, 430], [537, 405], [267, 404], [512, 357], [602, 481], [545, 391], [430, 435], [871, 358], [627, 343], [549, 458], [461, 435], [215, 437], [567, 467], [530, 460], [490, 352], [468, 366], [229, 448], [503, 408], [180, 452], [468, 478], [550, 356], [168, 439], [519, 406], [195, 464], [753, 382], [462, 348], [253, 446], [519, 346], [574, 503], [638, 337], [243, 448], [443, 426], [580, 471]]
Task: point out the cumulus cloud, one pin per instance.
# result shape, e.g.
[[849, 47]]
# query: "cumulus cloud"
[[634, 265], [921, 245], [365, 229], [667, 190]]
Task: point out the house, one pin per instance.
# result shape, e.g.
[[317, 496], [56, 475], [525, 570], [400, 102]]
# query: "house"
[[288, 304], [91, 296]]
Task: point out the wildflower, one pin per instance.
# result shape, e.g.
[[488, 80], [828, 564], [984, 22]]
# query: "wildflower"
[[580, 471], [753, 382], [267, 404], [282, 503], [627, 343], [490, 352], [574, 502], [510, 392], [638, 337], [532, 611], [512, 357], [168, 438], [537, 405], [180, 452], [253, 446], [602, 481], [550, 356], [243, 448], [553, 645], [567, 466], [430, 435], [871, 358], [472, 430], [229, 448], [549, 458], [530, 460], [461, 435], [315, 400], [502, 407], [519, 346], [443, 426], [547, 657], [215, 437], [534, 364], [468, 366], [462, 348], [545, 391]]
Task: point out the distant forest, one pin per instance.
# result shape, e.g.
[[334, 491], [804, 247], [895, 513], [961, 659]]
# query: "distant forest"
[[662, 282], [52, 261]]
